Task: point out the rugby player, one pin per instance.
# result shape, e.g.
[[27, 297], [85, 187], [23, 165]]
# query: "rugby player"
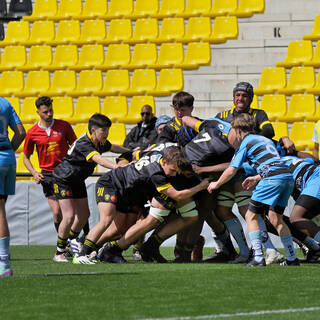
[[274, 184], [8, 117], [69, 179]]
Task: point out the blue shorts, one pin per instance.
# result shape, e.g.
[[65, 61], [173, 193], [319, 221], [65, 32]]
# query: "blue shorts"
[[7, 179], [273, 191], [312, 185]]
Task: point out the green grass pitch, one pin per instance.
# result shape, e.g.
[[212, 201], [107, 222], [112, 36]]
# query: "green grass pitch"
[[42, 289]]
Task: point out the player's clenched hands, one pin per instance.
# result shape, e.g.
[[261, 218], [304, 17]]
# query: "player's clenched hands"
[[37, 177], [213, 186], [204, 183], [250, 182]]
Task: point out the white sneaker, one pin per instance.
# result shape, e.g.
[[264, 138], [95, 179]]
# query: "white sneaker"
[[136, 255], [87, 259], [76, 246], [273, 256], [59, 258]]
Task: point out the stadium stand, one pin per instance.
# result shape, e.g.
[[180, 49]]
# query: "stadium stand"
[[63, 108], [170, 55], [119, 30], [63, 82], [42, 10], [300, 79], [195, 8], [13, 57], [275, 105], [223, 29], [136, 103], [172, 29], [42, 32], [89, 81], [68, 9], [116, 107], [19, 8], [272, 79], [144, 55], [298, 53], [169, 8], [36, 83], [316, 88], [222, 8], [85, 107], [16, 33], [39, 57], [301, 133], [65, 56], [315, 60], [3, 8], [280, 130], [144, 8], [315, 33], [11, 82], [117, 133], [196, 54], [119, 9], [68, 31], [93, 31], [27, 111], [91, 56], [300, 107], [118, 55], [247, 8], [94, 9], [145, 30]]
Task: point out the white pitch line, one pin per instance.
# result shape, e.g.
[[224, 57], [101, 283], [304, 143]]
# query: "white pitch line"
[[239, 314]]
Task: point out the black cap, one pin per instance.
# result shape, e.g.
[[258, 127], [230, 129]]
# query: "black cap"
[[244, 86]]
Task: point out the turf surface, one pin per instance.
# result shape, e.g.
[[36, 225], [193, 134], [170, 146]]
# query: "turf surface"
[[42, 289]]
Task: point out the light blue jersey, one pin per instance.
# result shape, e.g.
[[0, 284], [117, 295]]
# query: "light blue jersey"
[[8, 118]]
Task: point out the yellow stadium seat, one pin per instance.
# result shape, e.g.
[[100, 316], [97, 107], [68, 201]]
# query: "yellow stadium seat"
[[85, 108], [144, 55], [64, 57], [80, 129], [223, 8], [271, 80], [300, 79], [300, 106], [11, 82], [315, 60], [280, 130], [22, 169], [93, 31], [315, 33], [136, 103], [118, 55], [91, 56], [301, 135], [316, 115], [169, 80], [63, 82], [68, 9], [142, 81], [28, 112], [169, 8], [115, 81], [68, 31], [117, 133], [145, 30], [255, 102], [247, 8], [195, 8], [119, 30], [119, 9], [144, 8], [115, 108], [13, 57], [41, 33], [37, 83], [16, 33], [275, 106], [42, 10], [94, 9], [172, 29], [62, 108], [316, 88], [197, 53], [298, 52], [89, 81], [198, 28], [39, 57], [170, 56], [224, 28], [15, 102]]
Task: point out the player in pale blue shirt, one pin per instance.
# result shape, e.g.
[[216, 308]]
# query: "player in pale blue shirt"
[[273, 184], [8, 118]]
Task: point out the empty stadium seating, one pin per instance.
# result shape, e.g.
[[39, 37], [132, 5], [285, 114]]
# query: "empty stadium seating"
[[196, 54], [298, 52], [91, 56], [65, 56], [143, 55], [63, 82], [144, 8], [136, 103], [195, 8], [42, 32], [63, 108], [16, 33], [315, 33], [116, 108], [275, 105], [89, 81], [42, 10], [11, 83], [85, 107], [118, 55], [315, 60], [115, 82], [169, 8], [117, 133], [300, 107], [222, 8], [280, 130], [301, 133], [271, 80], [170, 55], [68, 9], [28, 110], [39, 57], [36, 83], [172, 29], [13, 57], [94, 9]]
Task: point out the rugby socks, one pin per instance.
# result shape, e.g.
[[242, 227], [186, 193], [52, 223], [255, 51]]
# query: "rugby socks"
[[61, 245], [4, 252], [235, 228], [264, 235], [155, 241], [86, 228], [317, 237], [287, 243], [88, 247], [311, 243], [255, 237], [73, 234], [218, 243]]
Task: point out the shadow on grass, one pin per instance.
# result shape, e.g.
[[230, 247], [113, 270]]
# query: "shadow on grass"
[[75, 274]]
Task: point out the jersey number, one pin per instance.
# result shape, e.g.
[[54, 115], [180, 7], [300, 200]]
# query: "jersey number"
[[206, 137]]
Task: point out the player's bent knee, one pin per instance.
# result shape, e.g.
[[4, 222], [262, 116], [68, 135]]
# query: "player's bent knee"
[[188, 210], [158, 213]]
